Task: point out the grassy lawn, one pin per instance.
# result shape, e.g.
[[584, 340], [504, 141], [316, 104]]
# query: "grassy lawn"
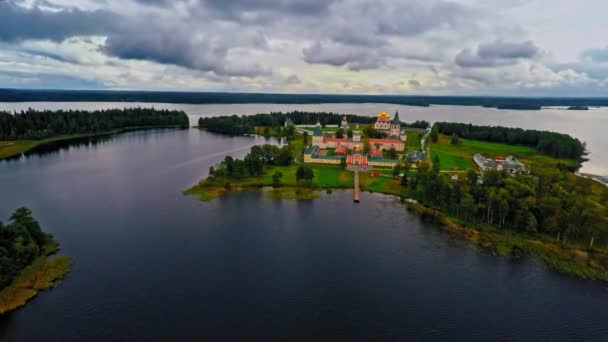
[[382, 184], [460, 157], [413, 140], [12, 148]]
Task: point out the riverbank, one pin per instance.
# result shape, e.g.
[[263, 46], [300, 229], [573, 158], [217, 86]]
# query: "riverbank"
[[11, 149], [581, 263], [578, 262], [41, 275]]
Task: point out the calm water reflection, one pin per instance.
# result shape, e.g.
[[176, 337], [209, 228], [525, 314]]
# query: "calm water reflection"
[[151, 264]]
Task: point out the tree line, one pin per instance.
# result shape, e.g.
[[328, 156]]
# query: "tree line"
[[40, 124], [553, 202], [240, 125], [253, 163], [21, 241], [549, 143]]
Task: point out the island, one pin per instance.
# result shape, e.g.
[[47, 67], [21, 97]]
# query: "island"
[[23, 131], [511, 191], [27, 264], [578, 108]]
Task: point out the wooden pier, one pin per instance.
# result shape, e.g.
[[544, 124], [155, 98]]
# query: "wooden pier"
[[356, 189]]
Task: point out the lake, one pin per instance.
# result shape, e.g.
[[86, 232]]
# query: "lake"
[[585, 125], [151, 264]]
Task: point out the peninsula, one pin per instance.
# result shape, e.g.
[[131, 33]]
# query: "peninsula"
[[513, 191], [26, 130], [27, 264]]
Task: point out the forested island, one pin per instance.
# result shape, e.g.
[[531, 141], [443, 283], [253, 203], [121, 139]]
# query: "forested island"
[[547, 211], [22, 131], [26, 265]]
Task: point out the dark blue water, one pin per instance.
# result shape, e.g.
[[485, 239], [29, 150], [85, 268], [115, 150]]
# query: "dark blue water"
[[151, 264]]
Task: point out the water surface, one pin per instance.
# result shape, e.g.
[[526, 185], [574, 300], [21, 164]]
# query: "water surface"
[[151, 264]]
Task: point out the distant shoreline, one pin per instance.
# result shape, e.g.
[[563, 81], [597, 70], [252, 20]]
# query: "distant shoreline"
[[514, 103]]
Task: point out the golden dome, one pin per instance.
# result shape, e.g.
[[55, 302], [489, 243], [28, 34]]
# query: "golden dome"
[[357, 147], [383, 115]]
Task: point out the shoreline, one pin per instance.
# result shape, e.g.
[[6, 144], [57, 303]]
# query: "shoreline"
[[41, 275], [25, 146], [580, 263]]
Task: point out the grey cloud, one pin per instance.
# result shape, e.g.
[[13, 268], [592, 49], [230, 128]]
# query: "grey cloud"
[[497, 53], [355, 59], [20, 23], [414, 83], [507, 50], [179, 48], [293, 79], [416, 17], [596, 55]]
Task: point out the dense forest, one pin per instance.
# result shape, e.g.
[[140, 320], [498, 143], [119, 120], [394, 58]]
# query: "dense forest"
[[556, 203], [34, 124], [21, 241], [550, 143], [24, 95], [239, 125]]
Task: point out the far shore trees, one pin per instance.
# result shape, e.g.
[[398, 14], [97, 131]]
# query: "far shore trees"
[[42, 124]]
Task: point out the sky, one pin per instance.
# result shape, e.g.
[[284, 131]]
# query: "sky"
[[431, 47]]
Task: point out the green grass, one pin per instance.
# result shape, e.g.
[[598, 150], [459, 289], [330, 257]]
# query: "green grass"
[[38, 276], [14, 148], [460, 157], [413, 140]]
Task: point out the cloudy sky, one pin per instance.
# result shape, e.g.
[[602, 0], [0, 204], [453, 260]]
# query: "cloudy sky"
[[502, 47]]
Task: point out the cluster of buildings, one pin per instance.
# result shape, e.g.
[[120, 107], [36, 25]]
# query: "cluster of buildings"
[[351, 148], [509, 164], [395, 136]]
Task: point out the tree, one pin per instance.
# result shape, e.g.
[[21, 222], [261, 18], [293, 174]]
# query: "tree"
[[304, 175], [396, 170], [283, 157], [454, 140], [276, 178], [229, 163], [435, 133], [404, 179], [211, 171], [392, 153], [340, 133], [366, 147], [343, 163], [349, 133], [436, 163], [305, 138]]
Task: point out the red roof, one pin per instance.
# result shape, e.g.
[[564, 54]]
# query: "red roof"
[[376, 152], [384, 141], [340, 149], [500, 158]]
